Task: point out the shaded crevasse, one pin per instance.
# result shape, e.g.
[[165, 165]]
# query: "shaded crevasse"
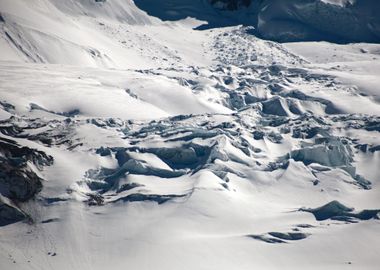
[[337, 211]]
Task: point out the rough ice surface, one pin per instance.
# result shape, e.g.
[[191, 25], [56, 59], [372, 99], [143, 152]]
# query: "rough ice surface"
[[170, 135], [336, 210]]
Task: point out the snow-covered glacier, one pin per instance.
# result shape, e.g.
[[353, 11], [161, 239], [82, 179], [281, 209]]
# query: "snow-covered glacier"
[[180, 134], [339, 21]]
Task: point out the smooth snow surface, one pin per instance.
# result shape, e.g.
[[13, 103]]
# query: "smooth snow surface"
[[177, 148]]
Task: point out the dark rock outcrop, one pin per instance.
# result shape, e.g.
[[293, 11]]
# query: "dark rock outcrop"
[[18, 180], [304, 20]]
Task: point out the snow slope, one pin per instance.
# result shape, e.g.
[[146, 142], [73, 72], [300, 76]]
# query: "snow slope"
[[154, 145], [96, 34]]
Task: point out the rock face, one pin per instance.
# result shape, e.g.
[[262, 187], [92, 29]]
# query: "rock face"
[[18, 180]]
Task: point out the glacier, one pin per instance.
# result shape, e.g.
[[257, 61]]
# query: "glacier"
[[189, 134]]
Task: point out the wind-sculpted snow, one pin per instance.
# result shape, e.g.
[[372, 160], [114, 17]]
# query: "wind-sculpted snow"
[[256, 142], [110, 33], [127, 141], [181, 160], [182, 146], [171, 148]]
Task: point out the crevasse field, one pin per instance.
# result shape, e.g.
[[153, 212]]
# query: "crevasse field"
[[171, 135]]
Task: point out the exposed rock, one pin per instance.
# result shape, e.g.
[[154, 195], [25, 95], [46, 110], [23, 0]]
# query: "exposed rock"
[[17, 180]]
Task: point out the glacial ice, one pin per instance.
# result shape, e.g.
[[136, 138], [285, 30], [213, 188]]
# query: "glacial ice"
[[338, 211]]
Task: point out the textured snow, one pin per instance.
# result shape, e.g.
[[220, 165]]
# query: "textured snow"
[[176, 148]]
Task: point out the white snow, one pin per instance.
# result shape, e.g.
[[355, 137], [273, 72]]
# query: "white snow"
[[169, 127]]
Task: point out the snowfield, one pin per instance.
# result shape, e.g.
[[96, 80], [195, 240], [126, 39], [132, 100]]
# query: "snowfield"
[[131, 139]]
